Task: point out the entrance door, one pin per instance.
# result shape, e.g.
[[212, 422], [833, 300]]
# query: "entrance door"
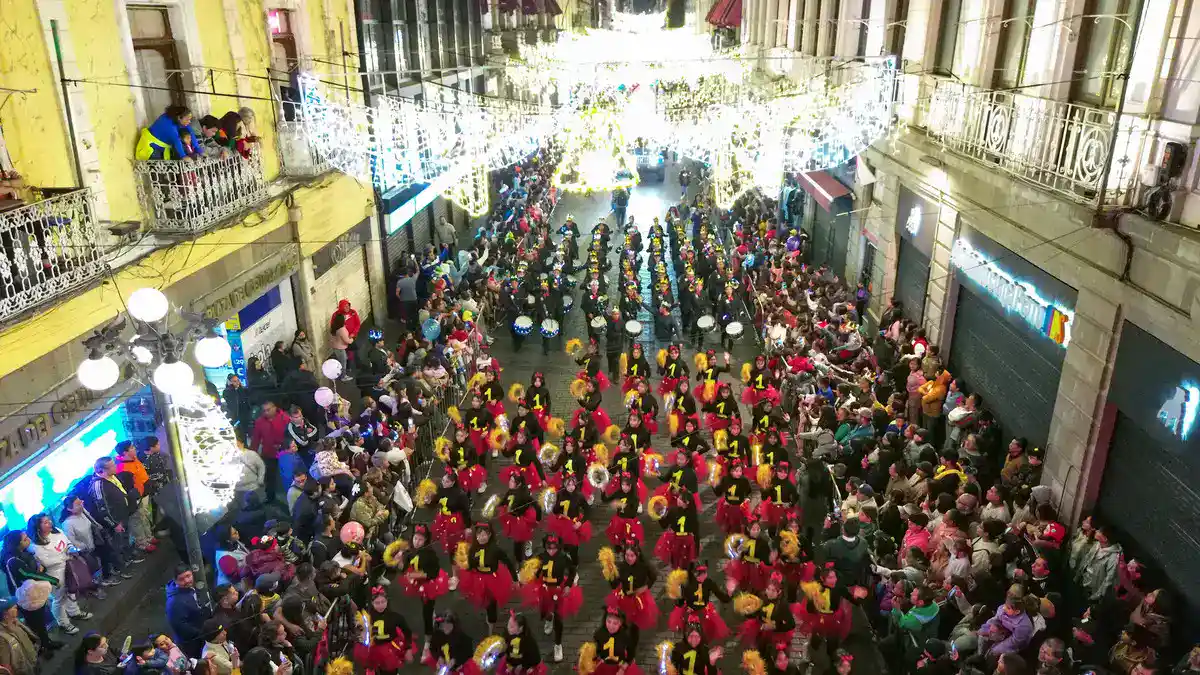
[[912, 278]]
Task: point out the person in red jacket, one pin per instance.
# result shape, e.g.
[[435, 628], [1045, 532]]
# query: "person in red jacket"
[[268, 439]]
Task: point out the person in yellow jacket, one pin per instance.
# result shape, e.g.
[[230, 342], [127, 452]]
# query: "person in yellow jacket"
[[933, 394], [164, 138]]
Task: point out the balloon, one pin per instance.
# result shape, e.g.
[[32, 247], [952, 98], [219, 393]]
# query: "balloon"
[[793, 243], [431, 329], [324, 397], [332, 369], [353, 532]]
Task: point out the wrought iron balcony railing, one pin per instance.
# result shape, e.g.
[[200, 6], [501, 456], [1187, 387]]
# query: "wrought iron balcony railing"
[[1062, 147], [192, 196], [301, 159], [47, 249]]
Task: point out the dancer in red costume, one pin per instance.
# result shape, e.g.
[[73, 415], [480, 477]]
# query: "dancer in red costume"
[[615, 643], [452, 504], [646, 406], [593, 367], [636, 367], [538, 397], [779, 500], [826, 606], [523, 452], [762, 383], [526, 421], [707, 376], [694, 605], [487, 580], [450, 650], [465, 462], [422, 577], [637, 433], [478, 421], [391, 641], [569, 521], [733, 504], [554, 592], [672, 370], [722, 410], [625, 526], [680, 475], [571, 462], [692, 655], [691, 443], [750, 567], [491, 390], [773, 622], [521, 653], [518, 515], [679, 543], [683, 407], [590, 405], [631, 589]]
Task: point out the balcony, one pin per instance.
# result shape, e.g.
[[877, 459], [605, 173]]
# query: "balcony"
[[47, 249], [182, 196], [300, 157], [1062, 147]]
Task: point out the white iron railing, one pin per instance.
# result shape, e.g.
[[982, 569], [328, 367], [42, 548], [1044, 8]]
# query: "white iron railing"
[[300, 157], [47, 249], [1062, 147], [192, 196]]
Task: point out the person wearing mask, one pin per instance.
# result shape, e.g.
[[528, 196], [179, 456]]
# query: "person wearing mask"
[[52, 549], [187, 611], [268, 439], [18, 645], [21, 568]]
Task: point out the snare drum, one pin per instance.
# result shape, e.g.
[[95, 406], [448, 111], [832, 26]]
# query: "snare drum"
[[633, 328], [568, 303], [549, 328], [598, 324], [706, 323], [523, 325], [734, 330]]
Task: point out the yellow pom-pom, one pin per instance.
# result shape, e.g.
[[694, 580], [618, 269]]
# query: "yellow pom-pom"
[[476, 381], [587, 659], [454, 414], [556, 427], [624, 362], [529, 570], [664, 649], [578, 388], [657, 507], [651, 464], [789, 543], [602, 454], [441, 449], [548, 454], [675, 581], [340, 666], [709, 392], [460, 555], [721, 440], [489, 507], [612, 434], [608, 563], [630, 397], [426, 489], [756, 453], [573, 345], [714, 472], [498, 439], [746, 603], [516, 392], [661, 358], [746, 372], [752, 663], [700, 361], [673, 424], [763, 477], [488, 650], [394, 552]]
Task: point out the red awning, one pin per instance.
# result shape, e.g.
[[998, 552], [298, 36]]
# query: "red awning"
[[726, 14], [552, 7], [823, 187]]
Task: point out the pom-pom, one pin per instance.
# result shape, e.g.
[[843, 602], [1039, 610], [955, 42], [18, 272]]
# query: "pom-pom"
[[548, 454], [746, 372], [700, 361], [426, 489], [489, 507], [673, 424], [624, 362], [516, 392], [601, 452], [489, 650], [394, 552], [721, 440], [752, 663], [578, 388], [598, 475], [661, 358], [657, 507], [529, 570], [789, 544], [714, 473], [734, 545], [498, 439], [746, 603], [340, 666], [675, 581], [630, 397], [664, 649], [547, 498], [608, 563], [556, 428], [651, 464], [460, 555], [709, 393], [756, 453], [612, 434], [573, 345], [587, 659], [763, 476], [476, 381], [454, 414], [441, 449]]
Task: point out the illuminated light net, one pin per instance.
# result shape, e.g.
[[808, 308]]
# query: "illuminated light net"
[[211, 459]]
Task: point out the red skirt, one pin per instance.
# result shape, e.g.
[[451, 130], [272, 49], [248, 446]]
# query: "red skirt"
[[629, 384], [668, 385], [503, 669], [676, 550], [602, 381], [542, 415], [751, 396], [496, 408], [479, 440], [650, 423], [518, 528], [698, 392], [565, 601], [664, 490], [716, 423], [698, 464], [390, 655], [614, 669], [564, 528], [752, 633], [621, 530], [483, 589], [639, 609], [773, 514], [426, 590], [528, 472], [797, 573], [749, 576], [712, 626], [472, 477], [449, 530], [468, 668], [834, 624], [732, 518]]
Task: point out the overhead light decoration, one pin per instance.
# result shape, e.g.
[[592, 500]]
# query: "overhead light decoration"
[[210, 453]]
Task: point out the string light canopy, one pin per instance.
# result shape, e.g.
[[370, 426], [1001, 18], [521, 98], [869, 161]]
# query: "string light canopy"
[[210, 452]]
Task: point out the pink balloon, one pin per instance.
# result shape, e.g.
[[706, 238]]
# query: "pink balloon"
[[353, 532]]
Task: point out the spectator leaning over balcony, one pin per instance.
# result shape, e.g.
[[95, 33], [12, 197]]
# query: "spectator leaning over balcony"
[[212, 138], [163, 139]]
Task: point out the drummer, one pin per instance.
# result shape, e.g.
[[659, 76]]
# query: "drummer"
[[614, 342], [728, 307]]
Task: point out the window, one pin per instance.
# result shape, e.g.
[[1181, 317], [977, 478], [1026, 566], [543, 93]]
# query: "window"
[[1014, 43], [865, 17], [947, 43], [1104, 47], [285, 64], [157, 58], [895, 29], [798, 24], [835, 19]]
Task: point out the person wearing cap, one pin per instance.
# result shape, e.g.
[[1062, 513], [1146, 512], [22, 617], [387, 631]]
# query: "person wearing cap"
[[18, 645], [219, 652]]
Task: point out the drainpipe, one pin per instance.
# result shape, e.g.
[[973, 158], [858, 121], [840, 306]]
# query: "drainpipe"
[[62, 80], [1111, 221]]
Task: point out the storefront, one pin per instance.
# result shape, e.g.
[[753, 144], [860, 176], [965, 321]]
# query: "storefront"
[[916, 228], [1152, 465], [408, 223], [829, 236], [1011, 328]]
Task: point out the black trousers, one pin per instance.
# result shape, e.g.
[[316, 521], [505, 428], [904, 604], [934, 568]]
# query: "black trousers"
[[271, 477], [614, 365]]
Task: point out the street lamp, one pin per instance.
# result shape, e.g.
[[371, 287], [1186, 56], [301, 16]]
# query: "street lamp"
[[199, 434]]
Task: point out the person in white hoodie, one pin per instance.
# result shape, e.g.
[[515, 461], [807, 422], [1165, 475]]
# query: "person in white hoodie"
[[52, 549], [253, 472]]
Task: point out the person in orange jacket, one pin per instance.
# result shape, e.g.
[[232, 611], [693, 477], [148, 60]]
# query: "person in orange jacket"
[[139, 519]]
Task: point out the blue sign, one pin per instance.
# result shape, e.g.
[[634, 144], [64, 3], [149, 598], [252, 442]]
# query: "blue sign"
[[1178, 414]]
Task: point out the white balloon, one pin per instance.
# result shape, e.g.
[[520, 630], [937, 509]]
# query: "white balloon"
[[332, 369], [323, 396]]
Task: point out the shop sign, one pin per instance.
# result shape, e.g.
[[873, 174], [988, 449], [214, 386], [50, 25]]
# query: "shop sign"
[[230, 298], [35, 430], [1178, 414], [1017, 297]]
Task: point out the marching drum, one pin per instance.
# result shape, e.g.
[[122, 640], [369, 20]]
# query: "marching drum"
[[598, 324], [706, 323], [633, 328], [549, 328], [568, 303], [523, 325], [734, 330]]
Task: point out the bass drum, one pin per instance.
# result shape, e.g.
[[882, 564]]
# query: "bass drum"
[[633, 328], [734, 330]]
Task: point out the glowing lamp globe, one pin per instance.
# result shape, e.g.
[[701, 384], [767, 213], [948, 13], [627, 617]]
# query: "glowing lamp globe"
[[148, 304], [142, 355], [332, 369], [173, 378], [213, 351], [323, 396], [99, 374]]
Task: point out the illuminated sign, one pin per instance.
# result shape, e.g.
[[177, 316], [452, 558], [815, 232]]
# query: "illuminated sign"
[[1017, 297], [913, 224], [1179, 412]]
